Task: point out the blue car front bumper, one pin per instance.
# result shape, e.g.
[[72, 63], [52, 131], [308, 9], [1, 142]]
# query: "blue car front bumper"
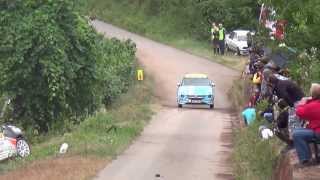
[[195, 100]]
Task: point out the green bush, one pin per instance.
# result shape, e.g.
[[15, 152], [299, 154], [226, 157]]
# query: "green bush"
[[54, 66], [105, 134], [117, 68]]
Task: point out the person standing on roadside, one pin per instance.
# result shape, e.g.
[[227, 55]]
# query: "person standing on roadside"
[[222, 37], [215, 38]]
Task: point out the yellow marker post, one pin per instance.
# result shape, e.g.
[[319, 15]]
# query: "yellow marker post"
[[140, 75]]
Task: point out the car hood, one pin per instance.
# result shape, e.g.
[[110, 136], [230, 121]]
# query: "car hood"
[[195, 90], [242, 44]]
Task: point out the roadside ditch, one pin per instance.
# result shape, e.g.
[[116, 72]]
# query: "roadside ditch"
[[252, 157]]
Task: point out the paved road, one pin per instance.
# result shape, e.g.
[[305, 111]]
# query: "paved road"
[[178, 144]]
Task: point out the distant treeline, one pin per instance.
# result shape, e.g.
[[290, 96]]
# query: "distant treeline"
[[188, 17]]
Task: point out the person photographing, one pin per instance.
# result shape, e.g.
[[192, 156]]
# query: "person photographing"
[[307, 109]]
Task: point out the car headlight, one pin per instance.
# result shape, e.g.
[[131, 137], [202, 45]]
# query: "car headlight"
[[209, 96]]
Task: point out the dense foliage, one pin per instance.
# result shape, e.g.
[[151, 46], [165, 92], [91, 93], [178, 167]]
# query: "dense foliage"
[[166, 20], [302, 34], [53, 64], [177, 17]]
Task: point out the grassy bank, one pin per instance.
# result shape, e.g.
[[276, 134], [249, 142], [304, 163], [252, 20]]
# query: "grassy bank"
[[162, 28], [253, 158], [100, 137]]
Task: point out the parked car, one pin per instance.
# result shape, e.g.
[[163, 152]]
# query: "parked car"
[[12, 143], [236, 41], [195, 89]]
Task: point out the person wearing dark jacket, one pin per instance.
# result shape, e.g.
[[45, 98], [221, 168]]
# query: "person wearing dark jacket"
[[287, 90], [309, 110], [291, 93]]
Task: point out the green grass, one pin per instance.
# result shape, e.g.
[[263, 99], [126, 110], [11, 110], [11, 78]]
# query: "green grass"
[[239, 94], [105, 134], [253, 158], [204, 49], [164, 29]]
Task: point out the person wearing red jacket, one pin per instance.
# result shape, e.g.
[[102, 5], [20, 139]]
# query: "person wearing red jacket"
[[308, 109]]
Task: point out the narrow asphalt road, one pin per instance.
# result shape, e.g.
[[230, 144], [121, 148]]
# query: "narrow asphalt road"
[[178, 144]]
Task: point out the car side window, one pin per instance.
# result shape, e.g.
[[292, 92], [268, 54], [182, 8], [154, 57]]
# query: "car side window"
[[231, 35], [235, 37]]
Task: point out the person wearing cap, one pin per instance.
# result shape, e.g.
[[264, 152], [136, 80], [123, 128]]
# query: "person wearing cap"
[[215, 38], [222, 37], [309, 110]]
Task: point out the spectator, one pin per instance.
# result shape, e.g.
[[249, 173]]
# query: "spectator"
[[249, 114], [291, 93], [222, 37], [215, 38], [286, 89], [282, 131], [255, 93], [249, 40], [257, 77], [253, 59], [309, 110], [267, 114], [269, 69]]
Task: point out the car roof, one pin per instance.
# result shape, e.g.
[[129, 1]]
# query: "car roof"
[[195, 76], [241, 32]]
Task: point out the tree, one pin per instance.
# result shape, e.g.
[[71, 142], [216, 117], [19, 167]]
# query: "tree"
[[301, 34], [52, 62]]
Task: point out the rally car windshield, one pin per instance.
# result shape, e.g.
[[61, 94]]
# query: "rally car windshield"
[[195, 82]]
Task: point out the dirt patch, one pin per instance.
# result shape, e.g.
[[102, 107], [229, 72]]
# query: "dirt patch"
[[71, 168], [311, 173], [308, 173], [286, 170]]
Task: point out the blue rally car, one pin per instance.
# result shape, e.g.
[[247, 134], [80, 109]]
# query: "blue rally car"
[[195, 89]]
